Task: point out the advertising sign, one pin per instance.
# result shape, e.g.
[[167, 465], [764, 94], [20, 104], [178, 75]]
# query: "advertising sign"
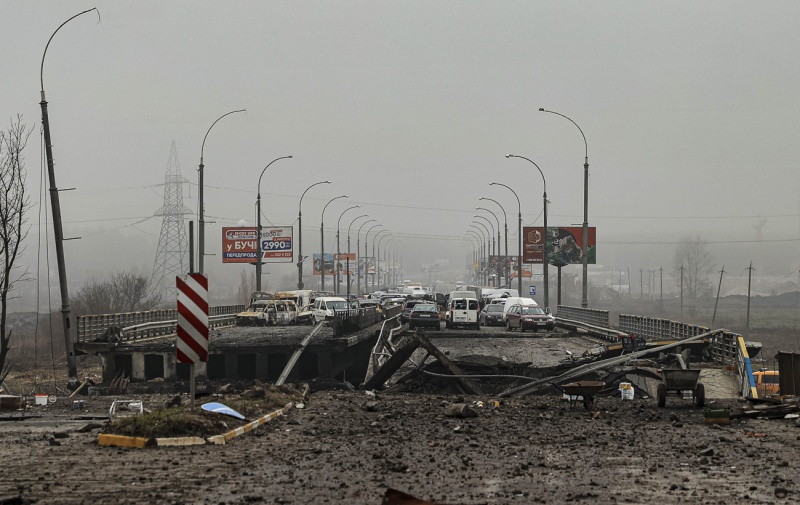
[[240, 245], [342, 262], [527, 271], [565, 245], [317, 270], [502, 262], [276, 244]]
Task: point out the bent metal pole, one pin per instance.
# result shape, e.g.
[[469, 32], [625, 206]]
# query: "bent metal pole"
[[66, 311]]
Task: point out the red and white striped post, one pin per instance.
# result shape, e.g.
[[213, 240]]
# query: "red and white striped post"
[[192, 344]]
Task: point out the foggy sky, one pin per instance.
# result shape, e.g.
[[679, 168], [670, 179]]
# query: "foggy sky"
[[689, 111]]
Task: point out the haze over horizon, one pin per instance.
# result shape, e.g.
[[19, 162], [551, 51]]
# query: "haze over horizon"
[[689, 112]]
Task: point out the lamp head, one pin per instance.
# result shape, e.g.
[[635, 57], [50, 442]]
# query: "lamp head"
[[509, 155], [326, 182], [541, 109], [289, 156]]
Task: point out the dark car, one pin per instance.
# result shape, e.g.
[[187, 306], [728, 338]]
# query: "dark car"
[[424, 315], [409, 306], [492, 315], [529, 317]]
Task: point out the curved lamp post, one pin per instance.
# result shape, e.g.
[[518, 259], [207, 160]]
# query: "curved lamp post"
[[338, 259], [482, 228], [377, 278], [519, 235], [258, 205], [545, 259], [358, 251], [322, 242], [300, 257], [584, 248], [366, 253], [201, 232], [497, 254], [348, 252], [490, 231], [55, 204], [475, 250], [505, 224]]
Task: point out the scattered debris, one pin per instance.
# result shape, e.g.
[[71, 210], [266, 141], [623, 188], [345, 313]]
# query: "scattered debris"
[[222, 409]]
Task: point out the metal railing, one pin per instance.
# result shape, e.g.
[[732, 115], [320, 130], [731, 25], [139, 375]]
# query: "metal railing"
[[349, 321], [127, 326], [591, 316]]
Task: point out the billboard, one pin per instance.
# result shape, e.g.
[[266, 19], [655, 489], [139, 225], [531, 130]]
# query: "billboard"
[[318, 263], [343, 261], [240, 245], [565, 245]]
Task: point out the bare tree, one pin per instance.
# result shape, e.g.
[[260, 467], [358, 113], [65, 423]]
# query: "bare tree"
[[14, 204], [247, 284], [697, 263], [125, 292]]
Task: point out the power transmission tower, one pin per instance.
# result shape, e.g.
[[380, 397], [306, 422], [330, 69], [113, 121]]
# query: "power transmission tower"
[[171, 257]]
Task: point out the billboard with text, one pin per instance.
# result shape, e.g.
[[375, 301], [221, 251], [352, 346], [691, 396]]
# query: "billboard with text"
[[240, 244], [565, 245]]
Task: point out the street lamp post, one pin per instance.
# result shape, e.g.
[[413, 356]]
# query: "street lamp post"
[[201, 232], [497, 254], [300, 235], [258, 205], [358, 251], [545, 259], [322, 242], [481, 228], [519, 236], [337, 261], [55, 204], [489, 246], [366, 252], [585, 245], [348, 251], [475, 249], [376, 284], [505, 224]]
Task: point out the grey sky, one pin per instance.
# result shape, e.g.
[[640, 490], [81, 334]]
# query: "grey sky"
[[689, 109]]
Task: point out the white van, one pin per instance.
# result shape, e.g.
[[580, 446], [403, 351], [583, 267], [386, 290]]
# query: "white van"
[[462, 311], [516, 300], [325, 307]]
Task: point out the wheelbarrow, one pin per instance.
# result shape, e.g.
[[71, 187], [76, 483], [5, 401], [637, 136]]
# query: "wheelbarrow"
[[585, 389], [681, 382]]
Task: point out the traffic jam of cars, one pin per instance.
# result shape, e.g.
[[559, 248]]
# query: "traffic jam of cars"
[[468, 307]]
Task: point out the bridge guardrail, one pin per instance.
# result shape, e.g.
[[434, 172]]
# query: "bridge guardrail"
[[594, 317], [138, 324]]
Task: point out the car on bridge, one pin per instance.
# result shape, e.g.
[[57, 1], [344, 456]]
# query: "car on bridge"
[[529, 317], [424, 315], [492, 315]]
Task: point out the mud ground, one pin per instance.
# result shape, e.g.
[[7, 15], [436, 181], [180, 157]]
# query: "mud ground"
[[349, 447]]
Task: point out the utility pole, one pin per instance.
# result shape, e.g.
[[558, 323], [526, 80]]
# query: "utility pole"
[[66, 311], [661, 285], [749, 279], [641, 284], [681, 292], [716, 302]]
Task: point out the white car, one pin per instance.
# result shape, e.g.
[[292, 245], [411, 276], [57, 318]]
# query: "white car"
[[325, 307]]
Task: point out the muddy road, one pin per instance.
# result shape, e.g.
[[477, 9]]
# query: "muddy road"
[[349, 447]]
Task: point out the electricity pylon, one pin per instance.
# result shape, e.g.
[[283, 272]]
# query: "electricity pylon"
[[173, 246]]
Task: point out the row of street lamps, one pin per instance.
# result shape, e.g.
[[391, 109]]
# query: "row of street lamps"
[[483, 238], [488, 237]]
